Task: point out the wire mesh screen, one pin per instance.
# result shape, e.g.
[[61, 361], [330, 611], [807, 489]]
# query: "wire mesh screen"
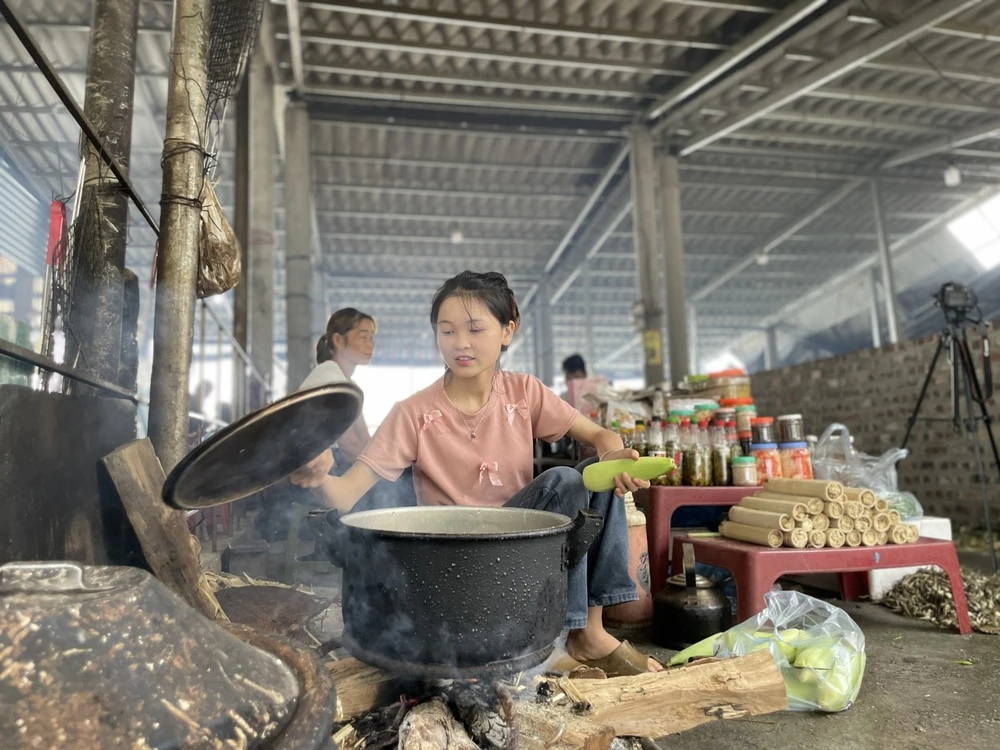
[[234, 27]]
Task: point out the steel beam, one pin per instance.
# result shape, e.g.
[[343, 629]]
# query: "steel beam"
[[493, 83], [390, 161], [450, 219], [856, 56], [474, 130], [457, 192], [873, 310], [513, 25], [757, 39], [506, 56], [945, 143], [586, 109], [295, 42]]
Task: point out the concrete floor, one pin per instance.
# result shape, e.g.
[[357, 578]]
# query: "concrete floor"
[[914, 696]]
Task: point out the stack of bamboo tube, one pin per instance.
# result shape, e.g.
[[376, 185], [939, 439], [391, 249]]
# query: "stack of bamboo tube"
[[804, 513]]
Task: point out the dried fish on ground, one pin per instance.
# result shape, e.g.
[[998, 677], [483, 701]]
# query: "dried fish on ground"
[[926, 595]]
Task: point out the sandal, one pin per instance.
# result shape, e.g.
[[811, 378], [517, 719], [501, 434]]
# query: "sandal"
[[624, 661]]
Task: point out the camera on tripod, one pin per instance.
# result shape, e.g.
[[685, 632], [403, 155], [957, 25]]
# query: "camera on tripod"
[[957, 302]]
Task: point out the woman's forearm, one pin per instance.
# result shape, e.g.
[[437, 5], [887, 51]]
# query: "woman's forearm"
[[342, 493], [607, 441]]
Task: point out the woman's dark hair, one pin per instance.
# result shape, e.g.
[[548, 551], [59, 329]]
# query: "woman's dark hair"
[[489, 288], [343, 322]]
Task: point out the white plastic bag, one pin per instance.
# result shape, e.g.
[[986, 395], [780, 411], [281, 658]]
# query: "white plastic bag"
[[819, 649], [835, 458]]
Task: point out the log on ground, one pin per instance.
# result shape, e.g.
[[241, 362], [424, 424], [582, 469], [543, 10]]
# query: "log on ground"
[[661, 703]]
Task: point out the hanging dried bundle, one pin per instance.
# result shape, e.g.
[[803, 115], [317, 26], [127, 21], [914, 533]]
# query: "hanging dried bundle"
[[219, 250], [926, 595]]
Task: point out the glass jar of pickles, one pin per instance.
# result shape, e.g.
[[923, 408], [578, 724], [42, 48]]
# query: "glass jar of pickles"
[[796, 460], [744, 471], [768, 460]]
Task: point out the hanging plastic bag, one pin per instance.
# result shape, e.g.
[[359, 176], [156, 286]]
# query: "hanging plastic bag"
[[219, 250], [819, 649]]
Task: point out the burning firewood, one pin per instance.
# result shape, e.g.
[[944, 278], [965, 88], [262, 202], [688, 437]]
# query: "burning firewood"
[[432, 726]]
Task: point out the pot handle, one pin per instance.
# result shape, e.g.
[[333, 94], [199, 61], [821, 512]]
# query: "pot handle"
[[586, 527], [331, 535]]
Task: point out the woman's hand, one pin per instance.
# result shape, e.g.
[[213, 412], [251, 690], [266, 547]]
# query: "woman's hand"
[[624, 483], [315, 472]]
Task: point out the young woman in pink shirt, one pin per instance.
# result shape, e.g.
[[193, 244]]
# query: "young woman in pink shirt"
[[469, 438]]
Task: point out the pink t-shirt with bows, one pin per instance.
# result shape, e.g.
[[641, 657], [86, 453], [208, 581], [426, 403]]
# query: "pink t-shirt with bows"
[[428, 432]]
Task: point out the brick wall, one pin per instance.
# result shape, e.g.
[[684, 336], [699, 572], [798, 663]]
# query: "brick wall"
[[873, 392]]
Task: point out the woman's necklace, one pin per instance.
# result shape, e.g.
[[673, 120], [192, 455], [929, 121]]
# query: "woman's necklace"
[[486, 410]]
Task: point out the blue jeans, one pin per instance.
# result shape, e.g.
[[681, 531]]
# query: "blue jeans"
[[601, 579]]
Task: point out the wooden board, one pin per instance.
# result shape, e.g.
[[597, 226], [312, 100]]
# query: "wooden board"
[[360, 688], [167, 544], [657, 704]]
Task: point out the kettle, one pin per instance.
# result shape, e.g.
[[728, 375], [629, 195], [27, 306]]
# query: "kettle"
[[689, 609]]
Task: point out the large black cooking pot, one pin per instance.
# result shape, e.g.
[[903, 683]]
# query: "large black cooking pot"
[[442, 591]]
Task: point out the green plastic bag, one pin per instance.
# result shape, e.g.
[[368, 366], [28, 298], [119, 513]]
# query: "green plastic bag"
[[819, 649]]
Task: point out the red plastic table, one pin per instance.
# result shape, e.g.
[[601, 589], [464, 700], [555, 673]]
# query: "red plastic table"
[[756, 568], [659, 504]]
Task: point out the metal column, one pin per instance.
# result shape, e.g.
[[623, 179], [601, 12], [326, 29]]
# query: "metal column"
[[177, 260], [873, 309], [692, 331], [673, 254], [544, 354], [95, 319], [771, 349], [885, 262], [649, 316], [298, 258], [241, 226], [588, 322], [262, 177]]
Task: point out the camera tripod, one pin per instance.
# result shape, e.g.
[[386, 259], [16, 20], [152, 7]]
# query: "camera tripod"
[[965, 389]]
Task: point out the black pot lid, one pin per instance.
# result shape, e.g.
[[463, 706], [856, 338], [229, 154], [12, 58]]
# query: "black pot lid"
[[263, 447]]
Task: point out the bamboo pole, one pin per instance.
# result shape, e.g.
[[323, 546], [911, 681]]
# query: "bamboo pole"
[[762, 518], [865, 497], [881, 522], [833, 509], [180, 222], [835, 538], [899, 535], [894, 518], [913, 532], [821, 522], [797, 538], [817, 539], [845, 524], [752, 534], [881, 506], [883, 537], [798, 511], [809, 487], [805, 524], [863, 523], [869, 538], [853, 508], [813, 504], [853, 538]]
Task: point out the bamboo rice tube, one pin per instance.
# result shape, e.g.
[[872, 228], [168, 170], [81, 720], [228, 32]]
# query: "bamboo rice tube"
[[881, 506], [845, 523], [797, 511], [805, 525], [821, 522], [797, 538], [863, 523], [883, 537], [762, 518], [817, 539], [912, 532], [894, 518], [825, 489], [752, 534], [835, 538], [881, 522], [869, 538], [813, 504], [853, 538], [833, 509], [854, 509], [899, 535], [865, 497]]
